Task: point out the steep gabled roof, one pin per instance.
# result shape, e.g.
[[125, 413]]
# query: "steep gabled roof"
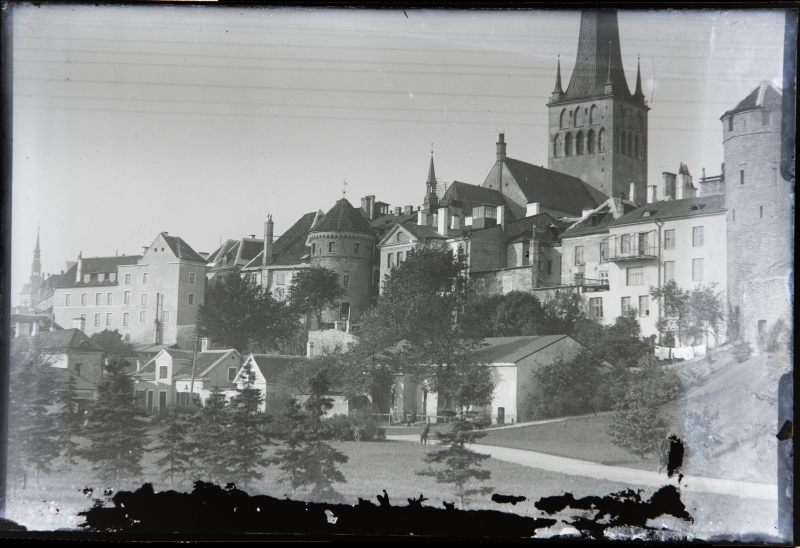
[[95, 265], [513, 349], [467, 196], [57, 341], [272, 367], [62, 375], [291, 245], [605, 216], [181, 249], [672, 209], [553, 189], [343, 217], [765, 96]]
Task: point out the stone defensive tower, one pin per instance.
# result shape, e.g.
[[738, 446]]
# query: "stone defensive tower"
[[343, 241], [597, 128], [760, 219]]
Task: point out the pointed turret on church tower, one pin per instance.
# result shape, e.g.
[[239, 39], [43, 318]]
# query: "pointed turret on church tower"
[[598, 129], [30, 291], [431, 202]]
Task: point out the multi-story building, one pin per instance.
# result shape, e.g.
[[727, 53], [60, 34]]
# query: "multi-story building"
[[598, 129], [148, 298]]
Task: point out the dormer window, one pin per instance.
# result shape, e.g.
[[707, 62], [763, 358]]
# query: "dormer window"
[[697, 207], [162, 371], [647, 214]]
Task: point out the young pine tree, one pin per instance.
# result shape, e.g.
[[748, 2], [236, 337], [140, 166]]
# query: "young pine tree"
[[248, 434], [211, 439], [69, 420], [117, 439], [175, 445], [33, 432], [289, 457]]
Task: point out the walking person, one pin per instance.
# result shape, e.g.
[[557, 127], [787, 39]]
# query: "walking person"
[[423, 435], [412, 419]]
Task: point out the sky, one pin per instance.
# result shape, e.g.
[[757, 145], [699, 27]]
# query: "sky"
[[201, 120]]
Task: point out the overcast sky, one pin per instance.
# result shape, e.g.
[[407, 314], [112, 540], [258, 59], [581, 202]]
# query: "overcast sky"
[[200, 121]]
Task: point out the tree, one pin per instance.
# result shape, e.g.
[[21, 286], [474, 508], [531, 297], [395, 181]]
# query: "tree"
[[561, 313], [675, 311], [314, 290], [113, 343], [706, 307], [174, 443], [69, 419], [33, 432], [117, 439], [639, 423], [239, 313], [247, 432], [211, 439], [289, 457]]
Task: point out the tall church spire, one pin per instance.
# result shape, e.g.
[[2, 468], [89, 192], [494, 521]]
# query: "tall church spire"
[[558, 78], [36, 267], [599, 59], [638, 94], [431, 201]]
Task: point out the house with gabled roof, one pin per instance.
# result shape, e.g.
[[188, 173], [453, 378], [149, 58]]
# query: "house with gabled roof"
[[148, 298], [172, 375], [68, 349]]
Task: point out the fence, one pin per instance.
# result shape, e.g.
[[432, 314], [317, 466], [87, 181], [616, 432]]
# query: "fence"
[[427, 418]]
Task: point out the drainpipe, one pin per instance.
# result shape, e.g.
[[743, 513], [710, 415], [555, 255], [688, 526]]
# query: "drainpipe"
[[659, 224]]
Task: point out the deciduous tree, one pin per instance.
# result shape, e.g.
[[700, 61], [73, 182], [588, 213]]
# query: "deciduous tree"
[[675, 309], [314, 290], [113, 343]]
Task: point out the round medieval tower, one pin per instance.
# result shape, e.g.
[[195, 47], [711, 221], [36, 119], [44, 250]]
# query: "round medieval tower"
[[343, 240], [760, 220]]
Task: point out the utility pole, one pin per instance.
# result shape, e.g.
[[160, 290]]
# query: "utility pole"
[[194, 364]]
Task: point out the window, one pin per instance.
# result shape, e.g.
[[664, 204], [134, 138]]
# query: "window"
[[669, 239], [556, 145], [601, 140], [355, 249], [741, 177], [634, 275], [579, 143], [603, 252], [346, 281], [697, 236], [109, 299], [630, 144], [626, 305], [596, 307], [331, 247], [126, 319], [108, 319], [766, 117], [127, 336], [97, 320], [669, 271], [576, 119], [541, 266], [730, 123], [192, 276], [142, 317], [127, 279], [280, 278], [144, 278], [78, 369], [68, 299], [313, 248], [165, 316], [143, 300], [126, 297], [590, 142], [399, 257], [162, 371], [593, 118], [231, 373], [98, 299], [191, 299], [549, 266], [625, 244], [578, 254], [774, 174], [644, 306], [568, 144], [604, 277], [84, 299], [697, 270], [389, 260]]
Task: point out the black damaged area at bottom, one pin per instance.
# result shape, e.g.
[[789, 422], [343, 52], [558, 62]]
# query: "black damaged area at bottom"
[[507, 499], [622, 509]]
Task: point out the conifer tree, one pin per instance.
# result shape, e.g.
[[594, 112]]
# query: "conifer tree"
[[117, 439], [211, 439], [175, 444], [69, 420], [247, 432], [288, 457]]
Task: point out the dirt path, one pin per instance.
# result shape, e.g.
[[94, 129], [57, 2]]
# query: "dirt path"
[[630, 476]]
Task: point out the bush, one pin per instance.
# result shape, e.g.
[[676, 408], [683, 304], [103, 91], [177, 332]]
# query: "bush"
[[363, 419], [742, 351], [340, 427]]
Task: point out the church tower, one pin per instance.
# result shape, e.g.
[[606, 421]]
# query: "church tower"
[[597, 128], [30, 291], [431, 201]]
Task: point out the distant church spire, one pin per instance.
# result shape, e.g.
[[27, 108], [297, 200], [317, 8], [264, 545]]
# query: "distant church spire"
[[558, 89], [431, 200], [638, 94], [36, 267]]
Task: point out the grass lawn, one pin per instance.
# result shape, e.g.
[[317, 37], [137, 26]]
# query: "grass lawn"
[[583, 438]]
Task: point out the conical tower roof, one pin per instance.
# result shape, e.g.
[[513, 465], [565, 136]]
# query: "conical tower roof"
[[343, 217], [599, 58], [558, 90], [766, 96], [638, 94], [431, 173]]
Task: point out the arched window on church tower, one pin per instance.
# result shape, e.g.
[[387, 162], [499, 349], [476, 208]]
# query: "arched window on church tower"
[[601, 140], [562, 120], [630, 144], [556, 145], [579, 143], [590, 144], [641, 122], [622, 144], [577, 116], [568, 144], [636, 147], [593, 115]]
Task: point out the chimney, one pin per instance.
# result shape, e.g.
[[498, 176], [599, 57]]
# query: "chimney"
[[651, 194], [79, 323], [533, 209], [144, 249], [618, 210], [442, 221], [501, 215], [632, 195], [204, 344], [422, 218], [368, 205], [268, 228], [408, 210], [501, 148], [252, 236], [455, 222], [80, 268], [398, 211], [669, 185]]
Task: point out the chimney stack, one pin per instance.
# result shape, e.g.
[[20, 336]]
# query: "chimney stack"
[[651, 194], [422, 218], [533, 209], [80, 268], [204, 344], [501, 148], [268, 227], [408, 210], [501, 215], [79, 323], [632, 196], [669, 185], [368, 205], [398, 211], [442, 221]]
